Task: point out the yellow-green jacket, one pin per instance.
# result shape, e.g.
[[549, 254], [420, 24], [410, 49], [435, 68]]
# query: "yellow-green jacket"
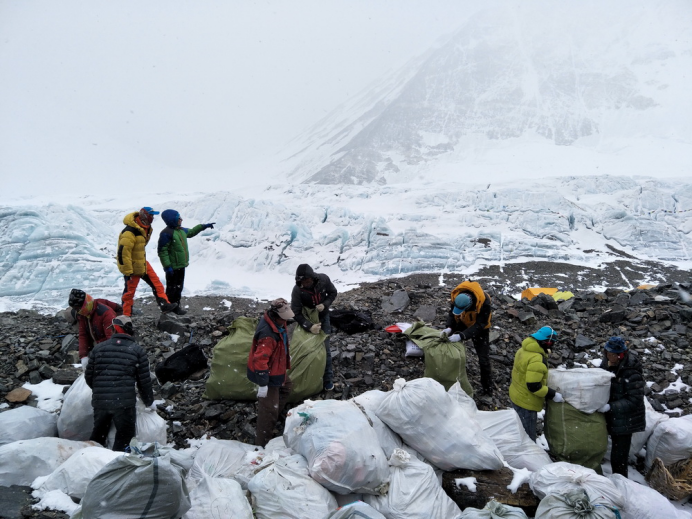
[[132, 258], [529, 388]]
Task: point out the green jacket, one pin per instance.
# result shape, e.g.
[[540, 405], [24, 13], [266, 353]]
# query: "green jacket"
[[173, 251], [528, 388]]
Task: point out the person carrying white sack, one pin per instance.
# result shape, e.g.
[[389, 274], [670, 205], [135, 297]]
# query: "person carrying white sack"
[[529, 387]]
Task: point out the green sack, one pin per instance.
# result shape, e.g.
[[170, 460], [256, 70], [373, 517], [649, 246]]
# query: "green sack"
[[444, 361], [228, 376], [308, 359], [575, 504], [574, 436]]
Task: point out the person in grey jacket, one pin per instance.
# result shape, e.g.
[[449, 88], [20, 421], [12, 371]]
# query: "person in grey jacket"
[[115, 368]]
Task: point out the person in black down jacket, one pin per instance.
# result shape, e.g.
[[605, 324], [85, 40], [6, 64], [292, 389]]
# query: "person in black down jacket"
[[314, 290], [115, 367], [625, 412]]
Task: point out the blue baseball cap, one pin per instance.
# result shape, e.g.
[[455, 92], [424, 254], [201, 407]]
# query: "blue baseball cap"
[[149, 210], [545, 334], [461, 303]]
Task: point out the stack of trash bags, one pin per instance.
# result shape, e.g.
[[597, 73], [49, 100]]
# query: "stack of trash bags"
[[378, 455]]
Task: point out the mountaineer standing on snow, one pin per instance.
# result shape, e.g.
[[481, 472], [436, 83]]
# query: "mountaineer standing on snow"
[[314, 290], [469, 318], [529, 386], [267, 364], [115, 368], [132, 259], [94, 317], [625, 412], [175, 255]]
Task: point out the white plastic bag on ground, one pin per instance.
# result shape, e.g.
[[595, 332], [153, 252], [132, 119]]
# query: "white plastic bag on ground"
[[563, 477], [76, 420], [73, 476], [355, 510], [150, 427], [370, 401], [218, 498], [671, 441], [587, 389], [430, 421], [340, 446], [505, 429], [286, 490], [226, 459], [135, 485], [25, 423], [494, 510], [414, 492], [23, 461], [574, 504], [644, 502]]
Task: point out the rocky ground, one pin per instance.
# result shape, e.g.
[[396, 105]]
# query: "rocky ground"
[[656, 322]]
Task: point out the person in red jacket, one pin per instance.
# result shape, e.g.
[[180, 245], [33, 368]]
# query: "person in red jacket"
[[94, 317], [267, 364]]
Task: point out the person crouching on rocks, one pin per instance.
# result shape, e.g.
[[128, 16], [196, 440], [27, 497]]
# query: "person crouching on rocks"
[[175, 255], [94, 318], [529, 386], [115, 368], [625, 411], [267, 364]]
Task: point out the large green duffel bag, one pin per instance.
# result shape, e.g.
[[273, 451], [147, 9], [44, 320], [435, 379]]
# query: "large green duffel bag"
[[444, 361], [228, 377], [574, 436], [308, 359]]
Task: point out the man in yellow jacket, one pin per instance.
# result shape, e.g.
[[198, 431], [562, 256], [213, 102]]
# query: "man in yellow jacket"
[[529, 387], [132, 260]]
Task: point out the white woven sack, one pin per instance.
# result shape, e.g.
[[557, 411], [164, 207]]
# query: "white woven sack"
[[25, 423], [563, 477], [414, 492], [370, 401], [76, 420], [21, 462], [355, 510], [494, 510], [286, 490], [505, 429], [226, 459], [671, 441], [73, 475], [463, 399], [431, 422], [587, 389], [218, 498], [574, 504], [644, 502], [340, 446]]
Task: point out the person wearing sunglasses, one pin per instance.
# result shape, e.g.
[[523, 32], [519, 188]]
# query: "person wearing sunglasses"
[[529, 389]]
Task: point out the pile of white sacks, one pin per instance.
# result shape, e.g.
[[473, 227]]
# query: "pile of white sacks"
[[378, 455]]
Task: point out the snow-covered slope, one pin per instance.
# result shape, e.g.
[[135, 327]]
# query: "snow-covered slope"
[[585, 89], [353, 233]]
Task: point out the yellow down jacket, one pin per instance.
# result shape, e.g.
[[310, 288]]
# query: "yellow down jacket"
[[132, 256], [529, 367]]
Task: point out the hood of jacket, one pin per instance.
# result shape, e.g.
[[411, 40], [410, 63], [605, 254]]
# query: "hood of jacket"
[[170, 217], [131, 220]]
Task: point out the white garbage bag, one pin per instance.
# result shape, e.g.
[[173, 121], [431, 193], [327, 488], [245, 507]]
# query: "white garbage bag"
[[671, 441], [505, 429], [73, 476], [150, 427], [341, 447], [494, 510], [462, 398], [414, 492], [430, 421], [25, 423], [76, 420], [644, 502], [21, 462], [563, 477], [370, 401], [138, 485], [218, 498], [355, 510], [587, 389], [286, 490], [575, 504], [226, 459]]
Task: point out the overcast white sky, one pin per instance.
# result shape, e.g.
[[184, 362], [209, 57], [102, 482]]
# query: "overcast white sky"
[[90, 87]]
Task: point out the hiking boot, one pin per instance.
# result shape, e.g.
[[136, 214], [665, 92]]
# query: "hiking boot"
[[329, 386], [167, 307], [179, 310]]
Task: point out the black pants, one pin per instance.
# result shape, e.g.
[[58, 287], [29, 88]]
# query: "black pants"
[[174, 285], [481, 343], [620, 452], [125, 426]]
